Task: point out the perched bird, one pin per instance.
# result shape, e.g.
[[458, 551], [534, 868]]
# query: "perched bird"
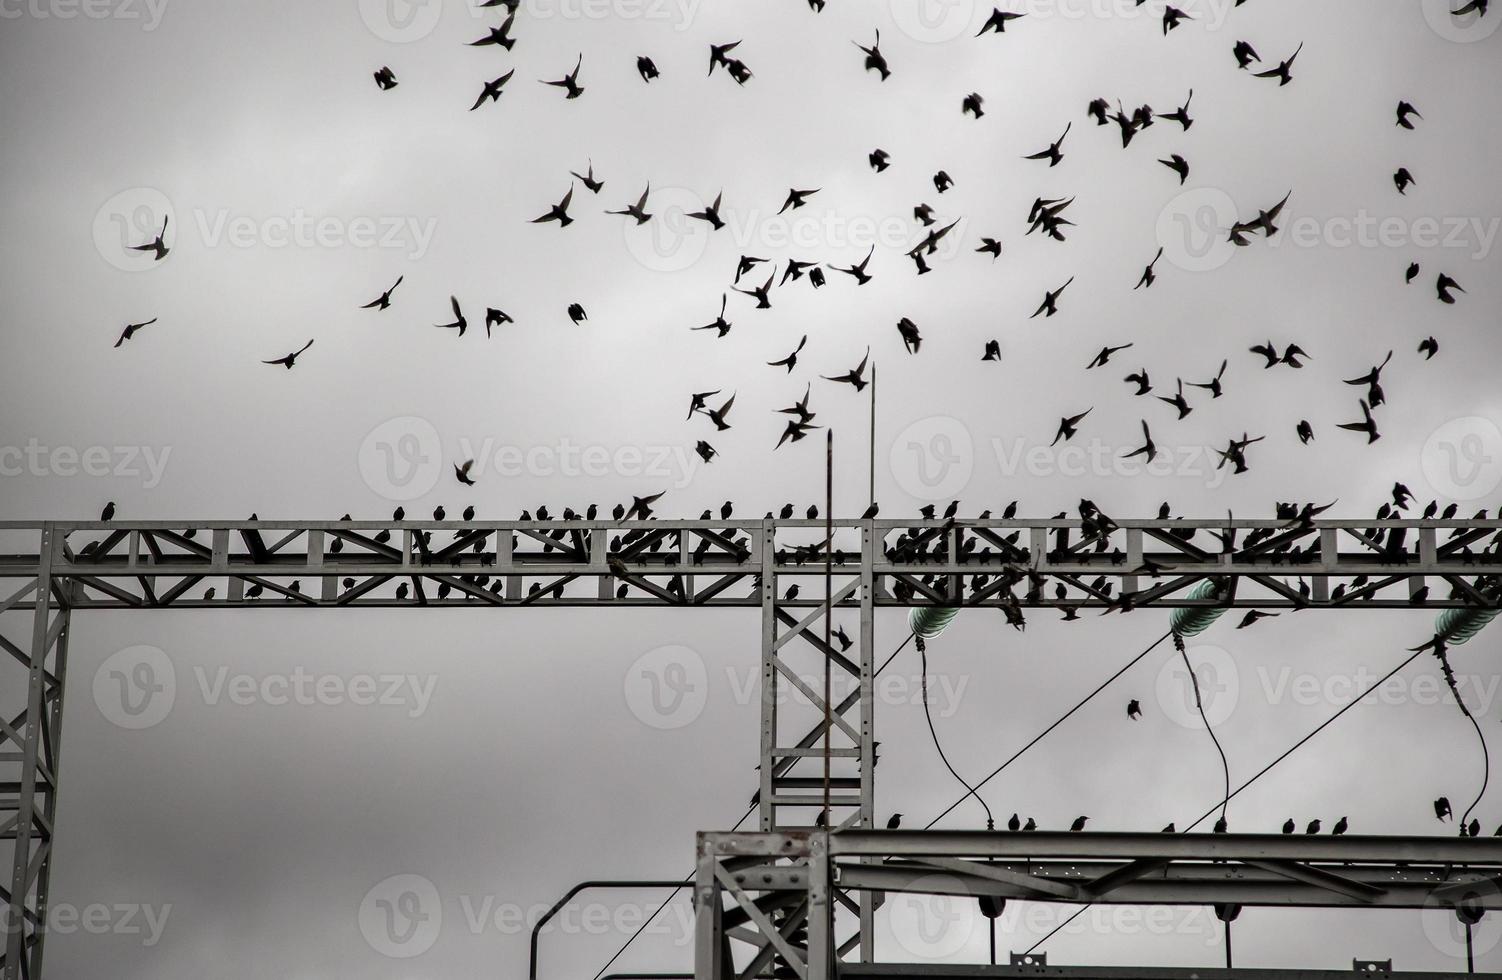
[[108, 513], [1014, 824], [894, 821], [1288, 826], [1078, 825], [1341, 826]]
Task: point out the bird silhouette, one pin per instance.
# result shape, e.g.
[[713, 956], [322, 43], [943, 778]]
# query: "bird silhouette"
[[131, 329], [383, 302], [558, 212], [291, 359], [491, 92], [570, 82]]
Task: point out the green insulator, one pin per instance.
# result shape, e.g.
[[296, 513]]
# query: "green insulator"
[[1456, 626], [1192, 621], [929, 621]]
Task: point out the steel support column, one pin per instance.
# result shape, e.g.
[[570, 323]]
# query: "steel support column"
[[29, 755]]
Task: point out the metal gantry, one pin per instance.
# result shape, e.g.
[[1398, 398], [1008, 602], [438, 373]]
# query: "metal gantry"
[[49, 570], [743, 880]]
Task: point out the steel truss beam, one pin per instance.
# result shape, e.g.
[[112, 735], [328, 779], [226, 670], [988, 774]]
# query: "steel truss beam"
[[942, 971], [1064, 564], [741, 876]]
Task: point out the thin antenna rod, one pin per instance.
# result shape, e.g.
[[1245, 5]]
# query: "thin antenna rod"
[[873, 434], [828, 595]]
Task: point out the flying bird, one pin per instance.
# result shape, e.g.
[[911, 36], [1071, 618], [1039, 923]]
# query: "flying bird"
[[291, 359], [385, 79], [997, 22], [1284, 71], [1149, 276], [1068, 426], [875, 60], [461, 323], [492, 90], [1367, 425], [1055, 152], [637, 210], [157, 245], [130, 330], [1050, 304], [711, 214], [570, 81], [854, 377], [791, 361], [588, 179], [558, 212], [646, 68], [383, 301]]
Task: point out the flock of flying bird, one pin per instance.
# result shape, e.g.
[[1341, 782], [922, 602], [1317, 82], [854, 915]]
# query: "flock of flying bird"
[[1048, 216]]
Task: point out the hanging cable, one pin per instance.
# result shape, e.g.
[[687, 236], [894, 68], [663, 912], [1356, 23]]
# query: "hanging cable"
[[1262, 772], [928, 716], [1441, 652], [1178, 643], [690, 877], [1040, 736]]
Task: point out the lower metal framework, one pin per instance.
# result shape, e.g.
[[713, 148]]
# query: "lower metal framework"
[[50, 569], [760, 896]]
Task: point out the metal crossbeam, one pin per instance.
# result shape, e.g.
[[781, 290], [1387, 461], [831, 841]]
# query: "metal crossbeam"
[[1074, 869], [1063, 564]]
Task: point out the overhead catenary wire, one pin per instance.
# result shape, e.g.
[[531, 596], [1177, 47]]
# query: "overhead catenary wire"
[[928, 716], [1041, 735], [1260, 773]]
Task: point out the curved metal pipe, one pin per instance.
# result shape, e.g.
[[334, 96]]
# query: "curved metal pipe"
[[584, 886]]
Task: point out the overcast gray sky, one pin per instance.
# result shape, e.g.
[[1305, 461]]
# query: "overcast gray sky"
[[521, 756]]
